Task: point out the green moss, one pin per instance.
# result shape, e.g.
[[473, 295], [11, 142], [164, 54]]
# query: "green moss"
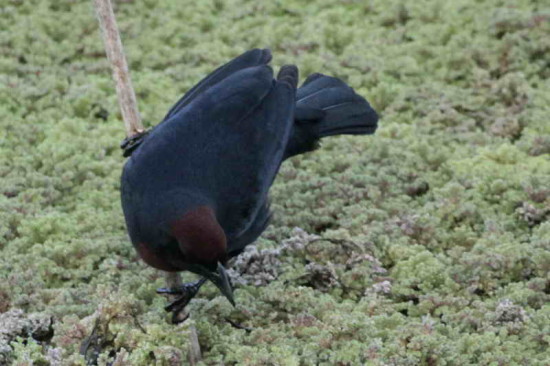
[[426, 244]]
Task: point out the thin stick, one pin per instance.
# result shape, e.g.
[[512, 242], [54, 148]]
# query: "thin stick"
[[173, 279], [115, 54], [194, 354], [124, 89]]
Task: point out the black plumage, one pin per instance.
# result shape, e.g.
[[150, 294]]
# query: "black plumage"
[[195, 192]]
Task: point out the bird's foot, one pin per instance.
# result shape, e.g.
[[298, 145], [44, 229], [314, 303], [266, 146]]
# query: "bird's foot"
[[186, 292], [129, 144]]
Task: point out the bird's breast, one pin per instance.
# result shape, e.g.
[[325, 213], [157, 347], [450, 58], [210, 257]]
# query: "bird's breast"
[[155, 258], [200, 236]]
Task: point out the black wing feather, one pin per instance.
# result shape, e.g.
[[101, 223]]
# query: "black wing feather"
[[248, 59]]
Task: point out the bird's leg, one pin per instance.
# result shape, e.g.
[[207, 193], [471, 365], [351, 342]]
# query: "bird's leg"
[[186, 291]]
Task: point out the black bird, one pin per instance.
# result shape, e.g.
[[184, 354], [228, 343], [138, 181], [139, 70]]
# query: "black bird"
[[195, 191]]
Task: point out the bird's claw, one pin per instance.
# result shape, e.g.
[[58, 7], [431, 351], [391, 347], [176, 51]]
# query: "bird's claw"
[[186, 291], [129, 144], [178, 304]]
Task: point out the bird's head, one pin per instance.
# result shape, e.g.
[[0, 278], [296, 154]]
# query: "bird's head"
[[203, 243]]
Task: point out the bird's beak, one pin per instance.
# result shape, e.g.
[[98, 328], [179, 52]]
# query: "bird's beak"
[[224, 285], [221, 280]]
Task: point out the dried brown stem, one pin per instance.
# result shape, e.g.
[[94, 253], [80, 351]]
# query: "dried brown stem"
[[124, 89], [194, 354], [121, 75]]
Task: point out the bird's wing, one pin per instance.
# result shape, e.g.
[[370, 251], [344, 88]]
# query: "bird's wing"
[[226, 145], [248, 59], [253, 159], [237, 243]]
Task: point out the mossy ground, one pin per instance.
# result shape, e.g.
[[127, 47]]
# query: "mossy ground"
[[426, 244]]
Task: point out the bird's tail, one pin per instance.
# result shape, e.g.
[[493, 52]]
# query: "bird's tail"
[[343, 111], [326, 106]]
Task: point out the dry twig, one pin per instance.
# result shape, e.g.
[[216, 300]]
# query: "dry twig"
[[121, 75], [125, 91]]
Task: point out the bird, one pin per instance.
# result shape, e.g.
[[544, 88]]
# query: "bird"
[[195, 190]]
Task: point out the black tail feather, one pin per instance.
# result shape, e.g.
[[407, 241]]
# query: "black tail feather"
[[288, 74], [326, 106]]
